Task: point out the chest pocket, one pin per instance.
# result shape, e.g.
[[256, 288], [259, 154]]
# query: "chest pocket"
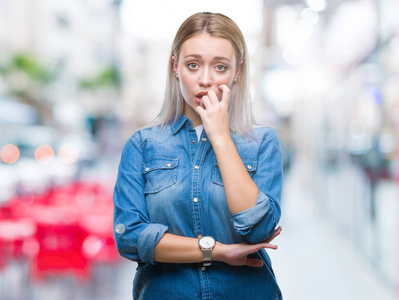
[[249, 164], [159, 173]]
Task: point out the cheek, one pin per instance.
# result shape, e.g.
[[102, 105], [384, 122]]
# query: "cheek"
[[186, 88], [226, 79], [184, 84], [186, 80]]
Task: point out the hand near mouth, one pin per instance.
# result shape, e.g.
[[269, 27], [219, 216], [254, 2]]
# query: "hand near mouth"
[[199, 97], [214, 114]]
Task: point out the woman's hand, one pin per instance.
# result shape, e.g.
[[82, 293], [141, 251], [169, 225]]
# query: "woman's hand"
[[237, 254], [214, 116]]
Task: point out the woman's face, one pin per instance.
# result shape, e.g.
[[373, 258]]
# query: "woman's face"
[[204, 63]]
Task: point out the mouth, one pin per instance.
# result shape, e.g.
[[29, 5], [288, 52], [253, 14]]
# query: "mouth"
[[199, 96]]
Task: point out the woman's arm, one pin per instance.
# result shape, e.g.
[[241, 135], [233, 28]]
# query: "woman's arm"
[[241, 191], [135, 236], [178, 249], [253, 202]]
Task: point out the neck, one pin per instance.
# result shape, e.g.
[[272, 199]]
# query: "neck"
[[192, 115], [195, 122]]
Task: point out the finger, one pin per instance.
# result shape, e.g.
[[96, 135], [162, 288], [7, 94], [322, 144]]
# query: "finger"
[[205, 102], [252, 248], [270, 246], [252, 262], [274, 235], [213, 97], [226, 93], [200, 111], [256, 247], [262, 246]]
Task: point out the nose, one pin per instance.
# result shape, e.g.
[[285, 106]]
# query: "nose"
[[205, 78]]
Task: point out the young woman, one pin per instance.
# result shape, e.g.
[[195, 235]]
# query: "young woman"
[[198, 191]]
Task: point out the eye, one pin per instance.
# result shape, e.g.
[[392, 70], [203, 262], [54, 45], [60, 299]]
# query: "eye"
[[221, 68], [192, 66]]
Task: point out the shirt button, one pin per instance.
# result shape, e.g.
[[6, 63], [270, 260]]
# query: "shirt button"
[[168, 165], [195, 199], [147, 169], [196, 167], [120, 228], [199, 236], [204, 139], [249, 167], [203, 268], [192, 142]]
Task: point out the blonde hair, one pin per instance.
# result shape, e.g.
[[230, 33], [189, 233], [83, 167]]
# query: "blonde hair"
[[240, 112]]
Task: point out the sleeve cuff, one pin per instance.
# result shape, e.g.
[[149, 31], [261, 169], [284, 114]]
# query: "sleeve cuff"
[[148, 239], [245, 220]]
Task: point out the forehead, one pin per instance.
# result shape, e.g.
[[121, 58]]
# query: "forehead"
[[206, 46]]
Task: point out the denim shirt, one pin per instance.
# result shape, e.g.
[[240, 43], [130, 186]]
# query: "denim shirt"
[[168, 181]]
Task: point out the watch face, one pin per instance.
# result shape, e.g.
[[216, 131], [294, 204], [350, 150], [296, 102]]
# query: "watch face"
[[207, 242]]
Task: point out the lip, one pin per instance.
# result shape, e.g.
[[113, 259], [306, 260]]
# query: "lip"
[[199, 96]]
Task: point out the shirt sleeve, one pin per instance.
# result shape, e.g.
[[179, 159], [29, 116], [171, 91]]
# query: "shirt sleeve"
[[135, 236], [257, 223]]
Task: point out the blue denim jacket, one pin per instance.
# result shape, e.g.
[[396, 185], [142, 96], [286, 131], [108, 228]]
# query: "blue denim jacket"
[[168, 181]]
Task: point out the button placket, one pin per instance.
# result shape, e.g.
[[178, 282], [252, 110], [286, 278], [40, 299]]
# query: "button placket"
[[197, 151]]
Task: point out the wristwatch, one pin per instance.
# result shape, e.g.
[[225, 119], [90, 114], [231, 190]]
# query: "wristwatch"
[[206, 244]]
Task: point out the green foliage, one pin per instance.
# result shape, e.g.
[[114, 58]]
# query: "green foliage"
[[108, 77], [29, 65]]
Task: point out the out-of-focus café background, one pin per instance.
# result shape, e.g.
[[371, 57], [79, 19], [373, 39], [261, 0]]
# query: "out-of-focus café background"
[[77, 78]]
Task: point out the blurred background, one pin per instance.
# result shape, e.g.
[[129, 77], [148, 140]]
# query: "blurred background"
[[77, 78]]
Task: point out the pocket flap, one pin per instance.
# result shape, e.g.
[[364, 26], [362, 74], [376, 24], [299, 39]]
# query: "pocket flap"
[[250, 165], [159, 163]]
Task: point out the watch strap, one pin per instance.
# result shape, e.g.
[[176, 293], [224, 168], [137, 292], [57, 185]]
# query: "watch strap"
[[207, 263], [207, 251], [207, 254]]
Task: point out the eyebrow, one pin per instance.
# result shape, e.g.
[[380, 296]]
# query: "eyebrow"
[[197, 56]]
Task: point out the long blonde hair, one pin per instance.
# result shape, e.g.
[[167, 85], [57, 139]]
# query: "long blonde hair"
[[240, 112]]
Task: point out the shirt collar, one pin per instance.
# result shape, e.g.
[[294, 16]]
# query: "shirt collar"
[[179, 124]]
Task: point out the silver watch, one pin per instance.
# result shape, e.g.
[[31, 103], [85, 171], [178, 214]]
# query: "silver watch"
[[206, 244]]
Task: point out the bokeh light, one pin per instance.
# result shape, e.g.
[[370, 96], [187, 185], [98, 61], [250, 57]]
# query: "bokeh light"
[[310, 16], [317, 5], [9, 153], [68, 153], [92, 245], [44, 154]]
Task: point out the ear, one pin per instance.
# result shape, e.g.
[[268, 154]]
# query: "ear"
[[239, 69], [174, 62]]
